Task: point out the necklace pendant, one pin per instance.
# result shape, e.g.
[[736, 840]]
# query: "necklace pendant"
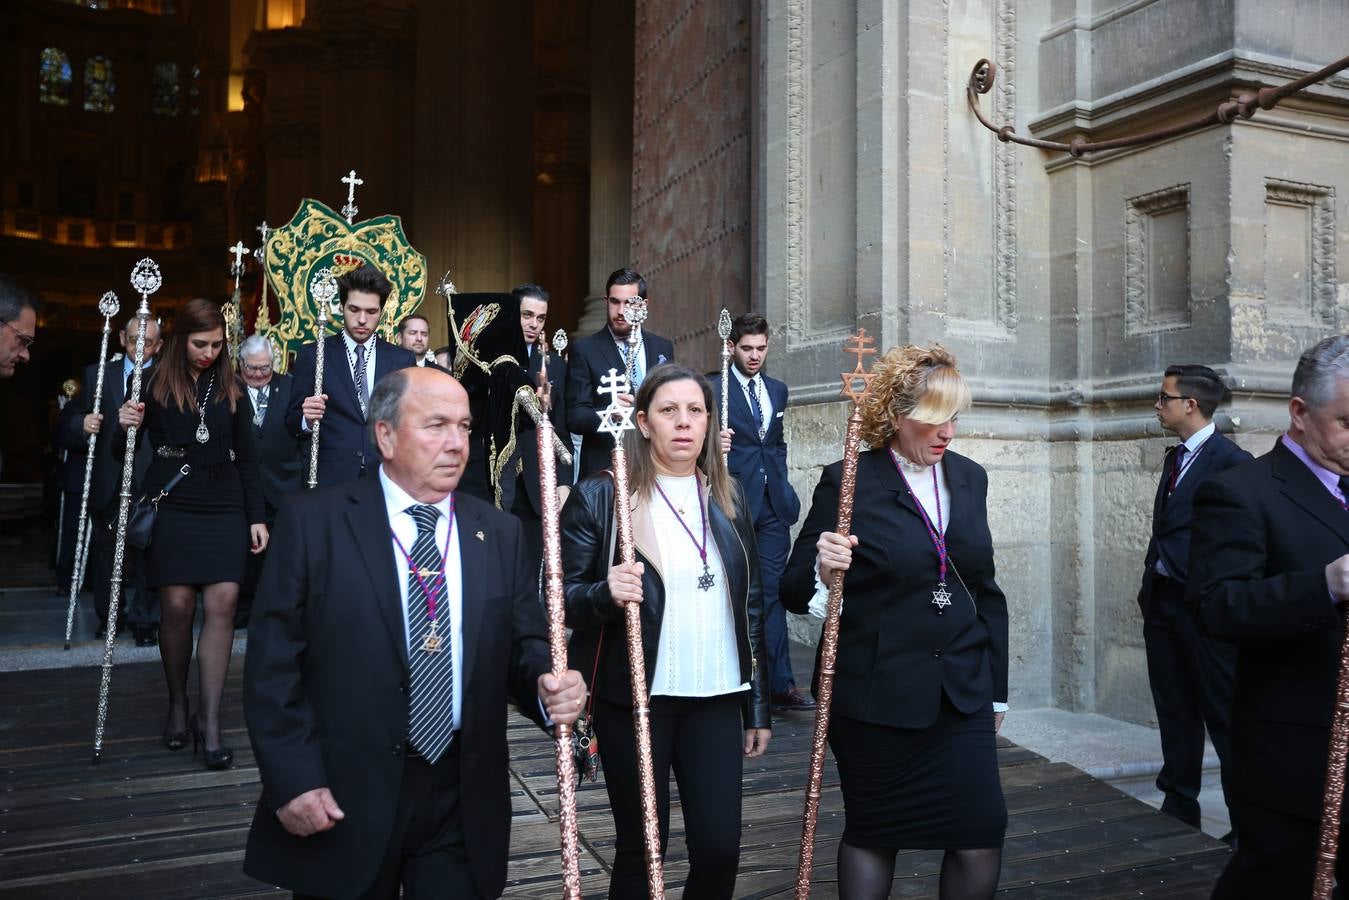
[[707, 579], [941, 598], [203, 433], [431, 642]]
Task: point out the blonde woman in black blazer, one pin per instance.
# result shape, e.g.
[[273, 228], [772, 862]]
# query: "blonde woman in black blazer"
[[921, 677]]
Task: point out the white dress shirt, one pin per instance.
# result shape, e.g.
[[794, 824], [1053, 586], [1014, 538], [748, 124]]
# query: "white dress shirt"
[[697, 655], [1193, 444], [451, 618], [255, 392], [765, 404], [350, 343]]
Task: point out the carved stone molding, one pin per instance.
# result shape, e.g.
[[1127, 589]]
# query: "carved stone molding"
[[1319, 203], [1145, 287], [798, 99], [1004, 175]]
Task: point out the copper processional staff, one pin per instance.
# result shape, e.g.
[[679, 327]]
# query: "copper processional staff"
[[145, 278], [724, 329], [1323, 884], [557, 624], [108, 306], [323, 288], [856, 386], [615, 419]]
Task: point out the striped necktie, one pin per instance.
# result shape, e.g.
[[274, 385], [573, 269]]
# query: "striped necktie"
[[431, 722], [756, 406], [260, 404], [361, 396]]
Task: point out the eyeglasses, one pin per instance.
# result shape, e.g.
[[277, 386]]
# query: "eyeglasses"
[[258, 370], [27, 340], [1163, 397]]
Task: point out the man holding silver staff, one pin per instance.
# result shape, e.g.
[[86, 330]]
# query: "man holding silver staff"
[[140, 608], [358, 360], [608, 348], [758, 459], [1269, 571], [392, 623]]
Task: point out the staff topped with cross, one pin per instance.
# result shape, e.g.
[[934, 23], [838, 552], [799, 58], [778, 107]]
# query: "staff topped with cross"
[[616, 418], [238, 251], [352, 182], [857, 383]]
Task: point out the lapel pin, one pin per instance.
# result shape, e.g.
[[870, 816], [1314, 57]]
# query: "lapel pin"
[[480, 537]]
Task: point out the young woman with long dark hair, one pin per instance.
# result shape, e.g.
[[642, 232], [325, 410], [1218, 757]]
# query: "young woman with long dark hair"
[[195, 418]]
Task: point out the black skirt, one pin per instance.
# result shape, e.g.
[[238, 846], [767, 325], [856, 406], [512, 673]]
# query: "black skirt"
[[934, 788], [200, 536]]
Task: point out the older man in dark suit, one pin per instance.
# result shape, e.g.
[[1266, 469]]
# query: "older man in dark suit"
[[1190, 674], [1269, 571], [354, 361], [281, 456], [591, 359], [394, 619], [141, 611]]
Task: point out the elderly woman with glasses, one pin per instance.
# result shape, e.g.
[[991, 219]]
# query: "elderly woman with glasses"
[[921, 674]]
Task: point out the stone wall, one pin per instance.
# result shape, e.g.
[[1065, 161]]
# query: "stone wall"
[[1064, 286]]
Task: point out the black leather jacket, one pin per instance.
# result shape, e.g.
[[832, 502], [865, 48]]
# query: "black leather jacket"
[[588, 551]]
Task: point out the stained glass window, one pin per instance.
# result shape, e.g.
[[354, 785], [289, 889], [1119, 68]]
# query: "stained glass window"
[[100, 87], [164, 89], [54, 77], [194, 92]]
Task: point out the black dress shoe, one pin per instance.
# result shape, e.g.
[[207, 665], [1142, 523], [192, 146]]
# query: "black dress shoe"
[[221, 758], [146, 635], [790, 700]]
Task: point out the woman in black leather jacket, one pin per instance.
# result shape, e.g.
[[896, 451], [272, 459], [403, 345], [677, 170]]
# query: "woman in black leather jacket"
[[697, 580]]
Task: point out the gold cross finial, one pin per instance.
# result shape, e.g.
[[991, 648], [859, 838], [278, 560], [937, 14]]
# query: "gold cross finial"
[[857, 383]]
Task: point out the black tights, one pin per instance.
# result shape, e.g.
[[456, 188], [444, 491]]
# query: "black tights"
[[865, 873], [178, 609]]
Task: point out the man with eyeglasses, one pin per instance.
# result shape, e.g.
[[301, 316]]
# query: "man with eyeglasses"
[[1191, 674], [18, 324], [281, 455], [594, 355]]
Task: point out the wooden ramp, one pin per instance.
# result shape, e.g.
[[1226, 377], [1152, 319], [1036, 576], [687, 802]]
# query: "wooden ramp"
[[147, 823]]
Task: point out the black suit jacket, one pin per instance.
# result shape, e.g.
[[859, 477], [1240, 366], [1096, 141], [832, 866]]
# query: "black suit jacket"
[[895, 654], [346, 448], [326, 684], [591, 359], [527, 437], [760, 463], [1262, 536], [107, 474], [1171, 516], [282, 457]]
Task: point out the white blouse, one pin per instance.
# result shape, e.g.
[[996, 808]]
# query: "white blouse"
[[697, 655]]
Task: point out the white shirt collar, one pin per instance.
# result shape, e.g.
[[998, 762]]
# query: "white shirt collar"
[[743, 378], [352, 344], [1197, 439], [397, 500]]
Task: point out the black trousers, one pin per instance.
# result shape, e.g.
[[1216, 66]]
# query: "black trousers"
[[425, 855], [1191, 677], [139, 605], [1275, 855], [523, 510], [702, 739]]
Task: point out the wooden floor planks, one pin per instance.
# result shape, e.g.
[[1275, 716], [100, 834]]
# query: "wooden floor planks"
[[147, 823]]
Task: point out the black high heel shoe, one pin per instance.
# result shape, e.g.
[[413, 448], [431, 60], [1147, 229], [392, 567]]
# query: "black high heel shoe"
[[214, 759], [176, 740]]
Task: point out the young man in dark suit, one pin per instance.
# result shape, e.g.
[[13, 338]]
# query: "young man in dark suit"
[[593, 356], [523, 500], [394, 619], [281, 457], [354, 362], [1190, 674], [1269, 571], [758, 458], [106, 484]]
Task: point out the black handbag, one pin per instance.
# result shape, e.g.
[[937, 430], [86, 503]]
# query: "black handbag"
[[585, 747], [140, 520]]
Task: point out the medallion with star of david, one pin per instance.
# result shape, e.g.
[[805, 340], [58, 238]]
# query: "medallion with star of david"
[[707, 579], [941, 598]]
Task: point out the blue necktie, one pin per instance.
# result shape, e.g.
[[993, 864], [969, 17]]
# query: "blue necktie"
[[431, 721], [755, 407]]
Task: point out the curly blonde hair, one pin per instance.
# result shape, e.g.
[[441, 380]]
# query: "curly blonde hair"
[[919, 383]]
